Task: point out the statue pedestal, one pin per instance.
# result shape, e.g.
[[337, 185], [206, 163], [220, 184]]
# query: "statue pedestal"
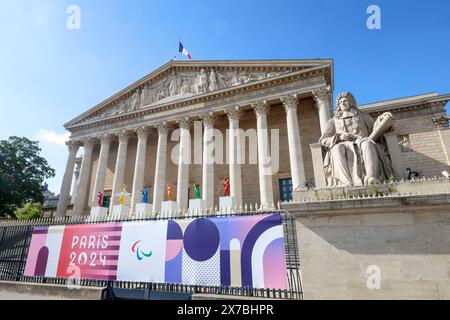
[[197, 206], [120, 211], [168, 209], [143, 209], [226, 203], [99, 212]]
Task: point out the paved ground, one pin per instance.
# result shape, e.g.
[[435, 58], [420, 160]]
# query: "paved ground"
[[5, 295]]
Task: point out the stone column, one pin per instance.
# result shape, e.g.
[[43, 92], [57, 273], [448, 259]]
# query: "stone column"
[[208, 160], [323, 99], [441, 121], [119, 171], [317, 160], [159, 185], [395, 154], [184, 160], [99, 183], [76, 174], [264, 161], [234, 147], [139, 168], [444, 134], [290, 104], [83, 184], [67, 179]]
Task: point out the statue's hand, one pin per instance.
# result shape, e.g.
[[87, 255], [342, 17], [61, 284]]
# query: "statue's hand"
[[347, 137]]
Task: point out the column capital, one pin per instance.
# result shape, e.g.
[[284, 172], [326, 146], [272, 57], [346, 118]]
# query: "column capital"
[[184, 123], [88, 143], [105, 139], [208, 119], [123, 136], [162, 127], [233, 113], [261, 108], [290, 102], [73, 146], [142, 132], [322, 95]]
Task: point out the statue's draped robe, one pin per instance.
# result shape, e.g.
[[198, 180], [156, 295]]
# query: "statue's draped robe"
[[350, 162]]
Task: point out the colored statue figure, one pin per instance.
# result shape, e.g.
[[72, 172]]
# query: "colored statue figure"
[[145, 195], [198, 194], [226, 186], [169, 192], [122, 196], [100, 199]]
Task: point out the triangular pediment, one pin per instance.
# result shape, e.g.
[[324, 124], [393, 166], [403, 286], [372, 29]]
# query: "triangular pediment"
[[178, 80]]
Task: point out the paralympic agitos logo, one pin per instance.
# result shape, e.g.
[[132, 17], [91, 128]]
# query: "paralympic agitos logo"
[[140, 254]]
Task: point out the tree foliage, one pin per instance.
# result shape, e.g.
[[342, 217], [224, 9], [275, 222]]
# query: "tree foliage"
[[22, 171], [29, 211]]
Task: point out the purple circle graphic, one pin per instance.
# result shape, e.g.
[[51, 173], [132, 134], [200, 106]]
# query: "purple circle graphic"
[[201, 239]]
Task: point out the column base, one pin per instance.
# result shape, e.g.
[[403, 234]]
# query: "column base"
[[197, 206], [143, 209], [168, 209], [120, 211], [99, 212], [226, 203]]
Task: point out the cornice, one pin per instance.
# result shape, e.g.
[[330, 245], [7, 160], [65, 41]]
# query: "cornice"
[[408, 103], [438, 106], [202, 98]]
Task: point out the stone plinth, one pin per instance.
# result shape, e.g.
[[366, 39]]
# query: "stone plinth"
[[197, 206], [99, 212], [418, 187], [120, 211], [169, 209], [404, 239], [226, 203], [143, 209]]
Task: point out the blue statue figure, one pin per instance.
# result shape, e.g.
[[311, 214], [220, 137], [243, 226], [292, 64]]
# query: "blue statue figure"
[[145, 195]]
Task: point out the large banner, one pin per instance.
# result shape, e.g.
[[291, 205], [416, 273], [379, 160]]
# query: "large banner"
[[233, 251]]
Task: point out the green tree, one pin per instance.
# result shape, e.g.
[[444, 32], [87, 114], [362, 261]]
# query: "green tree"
[[29, 211], [22, 171]]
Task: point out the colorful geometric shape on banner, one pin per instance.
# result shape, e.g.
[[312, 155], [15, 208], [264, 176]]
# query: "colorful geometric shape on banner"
[[232, 251]]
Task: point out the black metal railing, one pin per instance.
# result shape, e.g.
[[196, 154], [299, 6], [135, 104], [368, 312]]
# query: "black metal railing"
[[15, 238]]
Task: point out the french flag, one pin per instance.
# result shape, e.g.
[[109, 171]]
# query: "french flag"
[[184, 51]]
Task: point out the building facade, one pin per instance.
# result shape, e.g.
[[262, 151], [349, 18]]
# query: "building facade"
[[259, 123], [131, 139], [127, 139]]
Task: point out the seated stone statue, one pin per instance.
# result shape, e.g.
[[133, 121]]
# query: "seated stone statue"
[[355, 151]]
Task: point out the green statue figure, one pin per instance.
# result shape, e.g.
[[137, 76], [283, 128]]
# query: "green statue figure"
[[198, 195]]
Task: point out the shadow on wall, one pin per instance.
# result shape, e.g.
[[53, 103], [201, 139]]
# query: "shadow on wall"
[[399, 233], [423, 164]]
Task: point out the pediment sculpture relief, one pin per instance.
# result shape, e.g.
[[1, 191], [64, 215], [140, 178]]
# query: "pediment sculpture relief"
[[181, 85], [356, 153]]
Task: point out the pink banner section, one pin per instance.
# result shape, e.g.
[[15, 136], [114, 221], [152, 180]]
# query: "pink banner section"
[[245, 251]]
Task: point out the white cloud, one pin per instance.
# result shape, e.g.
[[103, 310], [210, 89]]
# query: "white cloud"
[[52, 137]]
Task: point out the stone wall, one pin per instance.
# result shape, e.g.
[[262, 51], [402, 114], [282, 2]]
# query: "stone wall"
[[427, 154], [408, 238], [42, 291]]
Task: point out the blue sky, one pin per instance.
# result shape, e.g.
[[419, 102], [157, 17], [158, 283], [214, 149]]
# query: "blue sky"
[[49, 74]]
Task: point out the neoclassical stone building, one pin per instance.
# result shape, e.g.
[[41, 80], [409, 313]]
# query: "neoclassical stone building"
[[127, 138], [401, 229]]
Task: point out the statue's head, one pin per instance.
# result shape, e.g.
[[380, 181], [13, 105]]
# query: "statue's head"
[[345, 102]]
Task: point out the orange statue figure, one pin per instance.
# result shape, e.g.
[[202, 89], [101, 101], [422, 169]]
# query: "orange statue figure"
[[169, 192]]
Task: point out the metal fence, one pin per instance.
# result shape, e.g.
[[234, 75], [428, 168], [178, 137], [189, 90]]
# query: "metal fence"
[[15, 238]]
